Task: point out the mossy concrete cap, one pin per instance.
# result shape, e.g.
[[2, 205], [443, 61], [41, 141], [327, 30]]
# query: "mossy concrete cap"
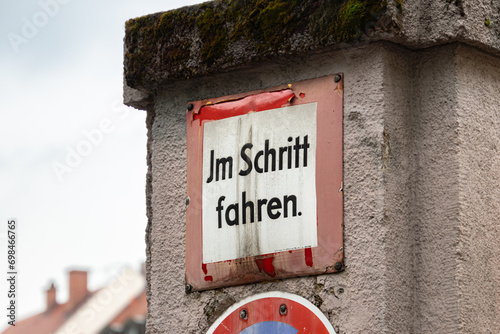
[[220, 35], [224, 35]]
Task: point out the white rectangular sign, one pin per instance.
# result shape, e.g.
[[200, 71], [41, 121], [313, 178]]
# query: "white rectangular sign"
[[259, 183]]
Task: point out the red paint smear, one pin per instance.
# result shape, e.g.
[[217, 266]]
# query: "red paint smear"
[[266, 265], [204, 268], [252, 103], [302, 95], [309, 257]]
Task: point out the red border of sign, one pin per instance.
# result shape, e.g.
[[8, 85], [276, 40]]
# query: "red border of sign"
[[299, 313], [328, 256]]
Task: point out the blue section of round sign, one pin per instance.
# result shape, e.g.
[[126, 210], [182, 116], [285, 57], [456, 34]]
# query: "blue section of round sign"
[[270, 327]]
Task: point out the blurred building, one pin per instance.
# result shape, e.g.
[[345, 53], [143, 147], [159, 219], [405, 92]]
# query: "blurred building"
[[119, 308]]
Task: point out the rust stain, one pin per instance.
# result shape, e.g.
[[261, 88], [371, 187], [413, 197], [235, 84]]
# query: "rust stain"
[[266, 265], [308, 257], [339, 250], [340, 87]]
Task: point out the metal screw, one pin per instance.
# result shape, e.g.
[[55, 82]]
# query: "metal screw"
[[340, 291], [283, 309], [244, 314], [338, 266], [190, 106], [337, 77], [189, 288]]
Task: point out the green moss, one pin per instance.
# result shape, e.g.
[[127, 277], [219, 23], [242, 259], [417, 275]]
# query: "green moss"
[[166, 23], [267, 28], [350, 15], [213, 32], [344, 21], [179, 52], [487, 22], [265, 22], [354, 18]]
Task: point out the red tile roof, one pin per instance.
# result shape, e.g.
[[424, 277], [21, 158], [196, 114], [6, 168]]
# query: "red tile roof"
[[58, 314], [46, 322]]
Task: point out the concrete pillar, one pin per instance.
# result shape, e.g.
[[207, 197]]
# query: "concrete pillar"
[[421, 164]]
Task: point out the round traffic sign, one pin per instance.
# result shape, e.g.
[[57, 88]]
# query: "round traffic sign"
[[272, 313]]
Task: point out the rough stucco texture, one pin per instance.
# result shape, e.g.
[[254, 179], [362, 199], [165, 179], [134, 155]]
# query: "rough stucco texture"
[[398, 165], [435, 186], [478, 244], [420, 194], [421, 141], [432, 22], [355, 310]]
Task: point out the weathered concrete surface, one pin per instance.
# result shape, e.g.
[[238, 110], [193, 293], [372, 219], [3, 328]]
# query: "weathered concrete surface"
[[364, 281], [409, 240], [421, 180], [431, 22], [225, 35], [478, 246], [435, 185]]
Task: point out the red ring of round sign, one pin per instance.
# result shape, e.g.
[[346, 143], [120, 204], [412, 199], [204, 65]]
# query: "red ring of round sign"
[[272, 313]]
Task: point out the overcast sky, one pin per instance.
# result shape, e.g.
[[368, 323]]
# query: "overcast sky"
[[72, 157]]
